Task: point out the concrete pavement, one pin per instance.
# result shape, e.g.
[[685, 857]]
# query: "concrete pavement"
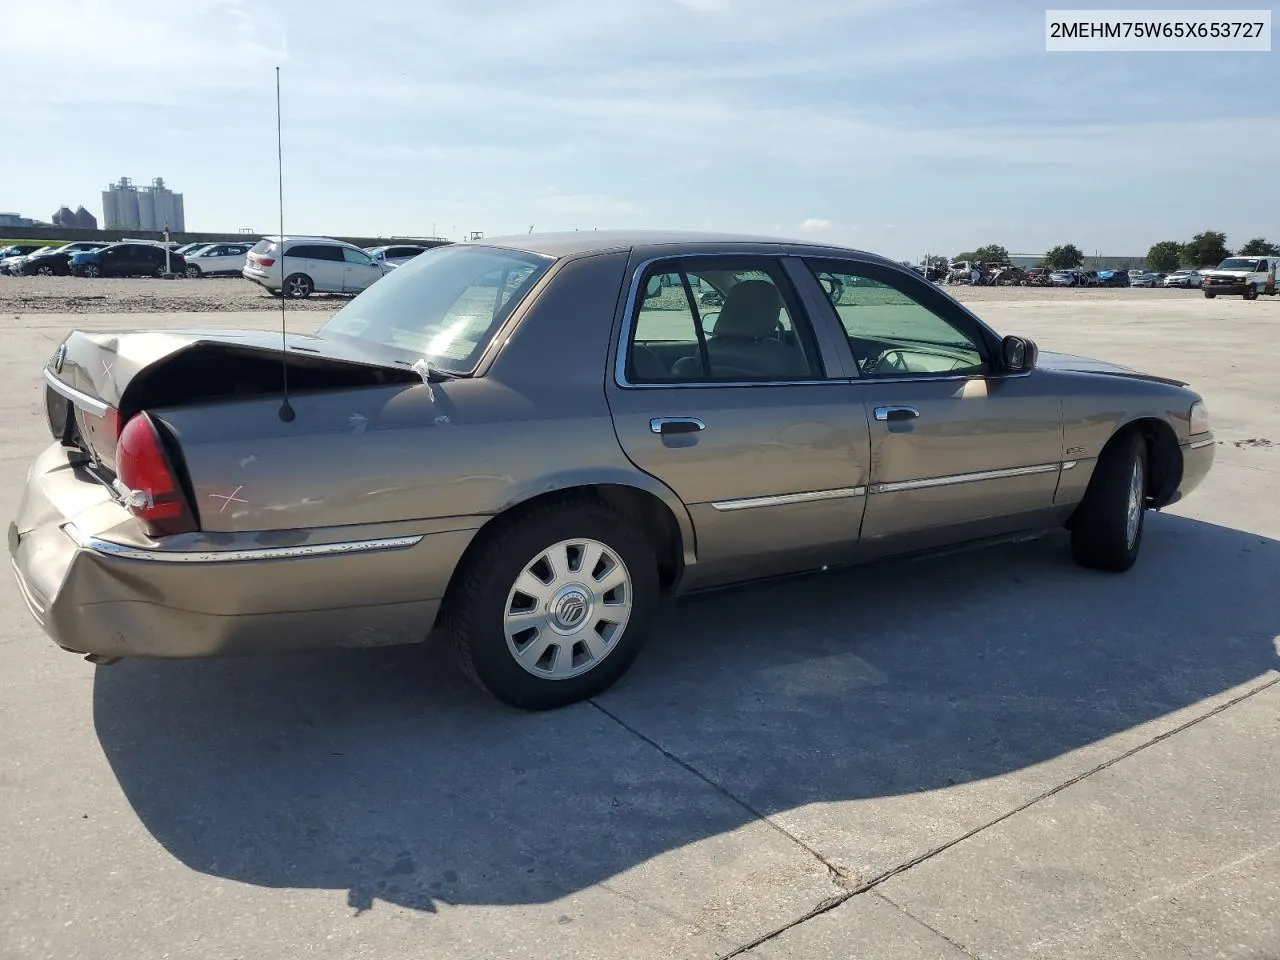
[[990, 755]]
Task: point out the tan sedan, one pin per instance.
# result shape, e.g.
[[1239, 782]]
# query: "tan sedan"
[[519, 447]]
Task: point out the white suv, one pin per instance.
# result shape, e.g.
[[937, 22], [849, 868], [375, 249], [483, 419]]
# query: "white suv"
[[301, 266]]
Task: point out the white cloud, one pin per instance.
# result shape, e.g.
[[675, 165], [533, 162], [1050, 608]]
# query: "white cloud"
[[815, 225], [122, 51]]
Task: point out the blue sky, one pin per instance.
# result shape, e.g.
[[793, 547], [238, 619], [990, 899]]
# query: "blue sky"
[[901, 126]]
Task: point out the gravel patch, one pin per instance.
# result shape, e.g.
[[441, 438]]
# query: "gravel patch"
[[21, 295]]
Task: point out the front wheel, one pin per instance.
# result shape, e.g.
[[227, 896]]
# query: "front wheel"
[[1250, 293], [1209, 294], [1106, 529], [44, 270], [298, 286], [93, 270], [192, 272], [554, 606]]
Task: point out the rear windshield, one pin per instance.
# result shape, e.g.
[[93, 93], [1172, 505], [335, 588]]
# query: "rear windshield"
[[264, 246], [445, 304]]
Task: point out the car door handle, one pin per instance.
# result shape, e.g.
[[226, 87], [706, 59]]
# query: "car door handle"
[[666, 425], [890, 414]]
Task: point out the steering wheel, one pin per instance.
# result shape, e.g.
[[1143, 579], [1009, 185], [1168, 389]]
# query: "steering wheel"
[[871, 368], [831, 286]]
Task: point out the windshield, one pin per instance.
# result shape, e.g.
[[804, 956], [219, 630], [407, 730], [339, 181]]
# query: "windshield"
[[445, 304], [1238, 263]]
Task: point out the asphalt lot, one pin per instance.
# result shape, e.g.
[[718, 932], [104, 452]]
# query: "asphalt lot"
[[992, 755]]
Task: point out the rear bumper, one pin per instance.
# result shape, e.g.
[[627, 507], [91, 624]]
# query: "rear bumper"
[[262, 278], [95, 589]]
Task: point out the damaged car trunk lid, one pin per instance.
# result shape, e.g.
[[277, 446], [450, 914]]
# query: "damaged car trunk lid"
[[96, 383]]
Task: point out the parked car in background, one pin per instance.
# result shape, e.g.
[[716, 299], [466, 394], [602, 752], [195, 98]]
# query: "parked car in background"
[[300, 266], [1065, 278], [1182, 278], [187, 248], [126, 260], [214, 259], [1113, 278], [16, 250], [13, 255], [1241, 276], [396, 254], [517, 447], [1144, 278], [55, 262]]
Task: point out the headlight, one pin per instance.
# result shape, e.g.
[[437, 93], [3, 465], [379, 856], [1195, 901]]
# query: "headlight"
[[1199, 418]]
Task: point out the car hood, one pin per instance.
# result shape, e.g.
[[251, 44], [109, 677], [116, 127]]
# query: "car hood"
[[1225, 273], [1070, 363]]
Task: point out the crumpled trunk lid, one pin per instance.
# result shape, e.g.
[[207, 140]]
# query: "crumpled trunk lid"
[[95, 382]]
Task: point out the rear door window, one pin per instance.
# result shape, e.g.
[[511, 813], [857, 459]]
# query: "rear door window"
[[730, 321]]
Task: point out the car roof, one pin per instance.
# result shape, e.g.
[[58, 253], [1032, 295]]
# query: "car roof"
[[579, 243], [276, 238]]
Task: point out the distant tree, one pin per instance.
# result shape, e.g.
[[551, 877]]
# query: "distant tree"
[[1065, 257], [936, 262], [1206, 249], [1258, 247], [991, 253], [1165, 256]]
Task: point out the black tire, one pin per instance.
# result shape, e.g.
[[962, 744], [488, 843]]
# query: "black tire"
[[192, 272], [297, 286], [1099, 527], [1250, 293], [473, 621], [1209, 294], [93, 271], [44, 270]]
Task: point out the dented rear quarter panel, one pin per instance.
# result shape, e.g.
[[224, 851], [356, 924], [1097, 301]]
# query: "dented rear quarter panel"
[[465, 449]]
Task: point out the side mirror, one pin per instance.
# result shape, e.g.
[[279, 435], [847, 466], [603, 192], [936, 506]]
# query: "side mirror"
[[1019, 354]]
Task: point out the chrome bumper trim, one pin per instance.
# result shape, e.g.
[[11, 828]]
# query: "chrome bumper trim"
[[125, 552]]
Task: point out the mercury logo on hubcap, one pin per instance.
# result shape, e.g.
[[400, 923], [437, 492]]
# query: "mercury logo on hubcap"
[[570, 609]]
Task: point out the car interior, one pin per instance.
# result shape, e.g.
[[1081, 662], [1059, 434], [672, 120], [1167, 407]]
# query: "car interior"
[[739, 329]]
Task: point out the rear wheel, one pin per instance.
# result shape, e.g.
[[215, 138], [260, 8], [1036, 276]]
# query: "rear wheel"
[[554, 606], [1106, 529], [298, 286]]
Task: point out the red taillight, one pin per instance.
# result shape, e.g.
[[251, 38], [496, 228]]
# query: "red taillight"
[[153, 491], [265, 261]]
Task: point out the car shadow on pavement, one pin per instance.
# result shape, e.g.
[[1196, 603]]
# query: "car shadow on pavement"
[[381, 773]]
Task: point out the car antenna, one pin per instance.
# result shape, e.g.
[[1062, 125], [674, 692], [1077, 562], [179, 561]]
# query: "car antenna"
[[286, 409]]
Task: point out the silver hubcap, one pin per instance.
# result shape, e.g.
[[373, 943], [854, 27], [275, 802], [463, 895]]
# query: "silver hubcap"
[[568, 609], [1134, 513], [297, 287], [91, 271]]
